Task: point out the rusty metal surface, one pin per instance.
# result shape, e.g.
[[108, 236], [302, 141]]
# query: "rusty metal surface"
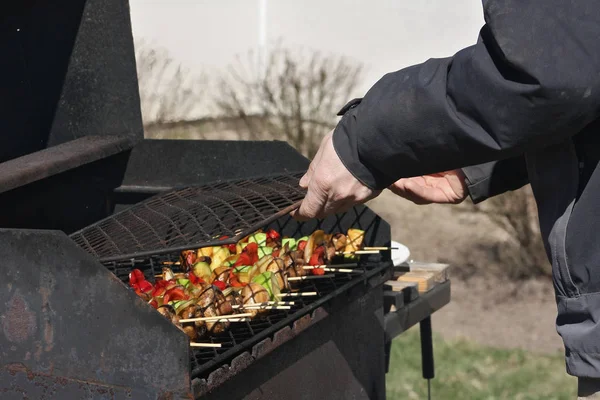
[[68, 327], [54, 160]]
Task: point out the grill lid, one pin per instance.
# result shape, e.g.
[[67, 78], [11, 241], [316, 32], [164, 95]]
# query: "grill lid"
[[191, 217]]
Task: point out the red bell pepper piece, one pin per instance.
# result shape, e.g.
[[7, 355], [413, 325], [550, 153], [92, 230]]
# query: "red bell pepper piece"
[[318, 271], [244, 259], [175, 294], [135, 277], [193, 278], [158, 291], [302, 245], [251, 248], [319, 250], [170, 284], [145, 286], [314, 260], [273, 234], [154, 303], [161, 284], [220, 285], [232, 248], [236, 283]]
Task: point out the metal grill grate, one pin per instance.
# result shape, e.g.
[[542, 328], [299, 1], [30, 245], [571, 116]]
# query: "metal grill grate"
[[189, 216], [242, 336]]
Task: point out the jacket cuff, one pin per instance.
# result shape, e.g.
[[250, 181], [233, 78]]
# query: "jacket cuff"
[[345, 143], [478, 181]]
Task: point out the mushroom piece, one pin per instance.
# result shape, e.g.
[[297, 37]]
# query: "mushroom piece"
[[276, 266], [253, 293]]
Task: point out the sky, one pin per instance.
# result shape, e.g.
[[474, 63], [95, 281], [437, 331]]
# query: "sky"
[[383, 35]]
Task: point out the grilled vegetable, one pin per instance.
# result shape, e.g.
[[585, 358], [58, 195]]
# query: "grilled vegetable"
[[269, 282], [354, 240], [202, 270], [254, 293], [318, 238], [221, 274], [245, 273], [219, 257], [338, 241], [289, 242], [277, 268], [187, 259], [264, 251], [260, 238]]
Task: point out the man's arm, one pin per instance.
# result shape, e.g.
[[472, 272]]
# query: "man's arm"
[[494, 178], [532, 79]]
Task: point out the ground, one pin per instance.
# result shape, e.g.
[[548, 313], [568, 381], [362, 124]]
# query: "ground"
[[464, 370], [486, 308]]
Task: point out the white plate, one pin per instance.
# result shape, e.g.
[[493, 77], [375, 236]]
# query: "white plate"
[[400, 253]]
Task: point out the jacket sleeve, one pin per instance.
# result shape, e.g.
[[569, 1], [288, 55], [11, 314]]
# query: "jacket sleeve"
[[495, 177], [532, 79]]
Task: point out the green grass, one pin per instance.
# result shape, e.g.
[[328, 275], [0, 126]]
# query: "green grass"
[[467, 371]]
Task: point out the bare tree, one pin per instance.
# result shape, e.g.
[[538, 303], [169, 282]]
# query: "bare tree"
[[295, 99], [523, 254], [168, 92]]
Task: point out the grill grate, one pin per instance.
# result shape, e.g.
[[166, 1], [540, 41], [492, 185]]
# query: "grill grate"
[[242, 336], [189, 216]]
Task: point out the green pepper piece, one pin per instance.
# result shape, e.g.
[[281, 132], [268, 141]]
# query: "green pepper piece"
[[259, 238], [291, 242]]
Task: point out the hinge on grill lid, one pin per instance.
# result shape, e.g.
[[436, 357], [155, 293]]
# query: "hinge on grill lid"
[[192, 217]]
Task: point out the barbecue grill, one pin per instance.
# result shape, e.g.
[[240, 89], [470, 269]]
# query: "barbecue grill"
[[86, 199]]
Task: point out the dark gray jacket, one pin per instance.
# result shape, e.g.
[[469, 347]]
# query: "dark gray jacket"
[[521, 106]]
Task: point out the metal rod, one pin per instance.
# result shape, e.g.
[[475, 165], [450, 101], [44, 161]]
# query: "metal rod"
[[427, 352]]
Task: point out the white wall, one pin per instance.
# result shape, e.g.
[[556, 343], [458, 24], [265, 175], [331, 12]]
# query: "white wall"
[[385, 35]]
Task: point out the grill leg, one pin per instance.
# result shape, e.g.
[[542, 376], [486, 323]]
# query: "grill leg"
[[388, 350], [427, 353]]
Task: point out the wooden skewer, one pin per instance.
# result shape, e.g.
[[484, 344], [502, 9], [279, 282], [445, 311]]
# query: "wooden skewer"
[[258, 307], [334, 269], [171, 263], [302, 278], [380, 248], [357, 252], [269, 303], [196, 344], [334, 265], [221, 319], [231, 318], [296, 294]]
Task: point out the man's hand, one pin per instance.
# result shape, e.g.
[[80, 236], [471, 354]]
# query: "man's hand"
[[443, 188], [331, 187]]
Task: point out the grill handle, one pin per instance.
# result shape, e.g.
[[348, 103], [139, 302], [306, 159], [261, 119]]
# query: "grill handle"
[[231, 240]]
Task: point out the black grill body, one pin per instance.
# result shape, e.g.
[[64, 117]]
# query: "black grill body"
[[73, 156]]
